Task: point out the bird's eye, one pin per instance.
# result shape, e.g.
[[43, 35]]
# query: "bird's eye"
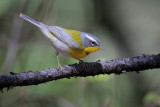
[[93, 43]]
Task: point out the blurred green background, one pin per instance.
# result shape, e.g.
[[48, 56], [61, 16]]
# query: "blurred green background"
[[126, 28]]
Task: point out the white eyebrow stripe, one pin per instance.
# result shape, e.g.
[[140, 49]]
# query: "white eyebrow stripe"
[[91, 38]]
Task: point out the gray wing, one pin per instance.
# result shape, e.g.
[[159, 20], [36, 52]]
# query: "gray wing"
[[63, 36]]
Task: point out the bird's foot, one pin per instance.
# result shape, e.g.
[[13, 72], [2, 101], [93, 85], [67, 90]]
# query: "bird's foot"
[[83, 64], [60, 68]]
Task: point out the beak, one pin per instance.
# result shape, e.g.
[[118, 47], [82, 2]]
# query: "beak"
[[101, 47]]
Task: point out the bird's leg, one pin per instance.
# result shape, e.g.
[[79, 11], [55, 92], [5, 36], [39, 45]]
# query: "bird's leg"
[[59, 65], [83, 64], [81, 61]]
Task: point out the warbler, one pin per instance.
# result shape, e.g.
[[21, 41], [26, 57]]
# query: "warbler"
[[68, 42]]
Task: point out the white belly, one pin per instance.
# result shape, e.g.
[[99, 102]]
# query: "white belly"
[[60, 46]]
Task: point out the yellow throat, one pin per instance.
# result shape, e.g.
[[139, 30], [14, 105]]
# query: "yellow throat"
[[81, 53]]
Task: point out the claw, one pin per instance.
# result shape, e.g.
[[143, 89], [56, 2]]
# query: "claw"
[[83, 64], [98, 60], [12, 73], [81, 61], [60, 68]]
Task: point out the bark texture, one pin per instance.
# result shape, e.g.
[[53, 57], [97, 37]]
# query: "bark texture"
[[116, 66]]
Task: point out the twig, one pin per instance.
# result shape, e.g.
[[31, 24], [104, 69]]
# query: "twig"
[[117, 66]]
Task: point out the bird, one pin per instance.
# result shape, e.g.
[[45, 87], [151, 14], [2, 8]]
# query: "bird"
[[72, 43]]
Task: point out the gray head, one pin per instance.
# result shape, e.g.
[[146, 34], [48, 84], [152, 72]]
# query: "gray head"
[[90, 40]]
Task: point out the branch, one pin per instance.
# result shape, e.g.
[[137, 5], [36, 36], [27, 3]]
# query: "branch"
[[116, 66]]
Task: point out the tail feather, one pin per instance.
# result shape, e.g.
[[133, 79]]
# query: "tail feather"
[[40, 25], [25, 17]]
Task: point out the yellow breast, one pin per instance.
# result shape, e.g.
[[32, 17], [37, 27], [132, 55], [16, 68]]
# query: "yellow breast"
[[81, 53]]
